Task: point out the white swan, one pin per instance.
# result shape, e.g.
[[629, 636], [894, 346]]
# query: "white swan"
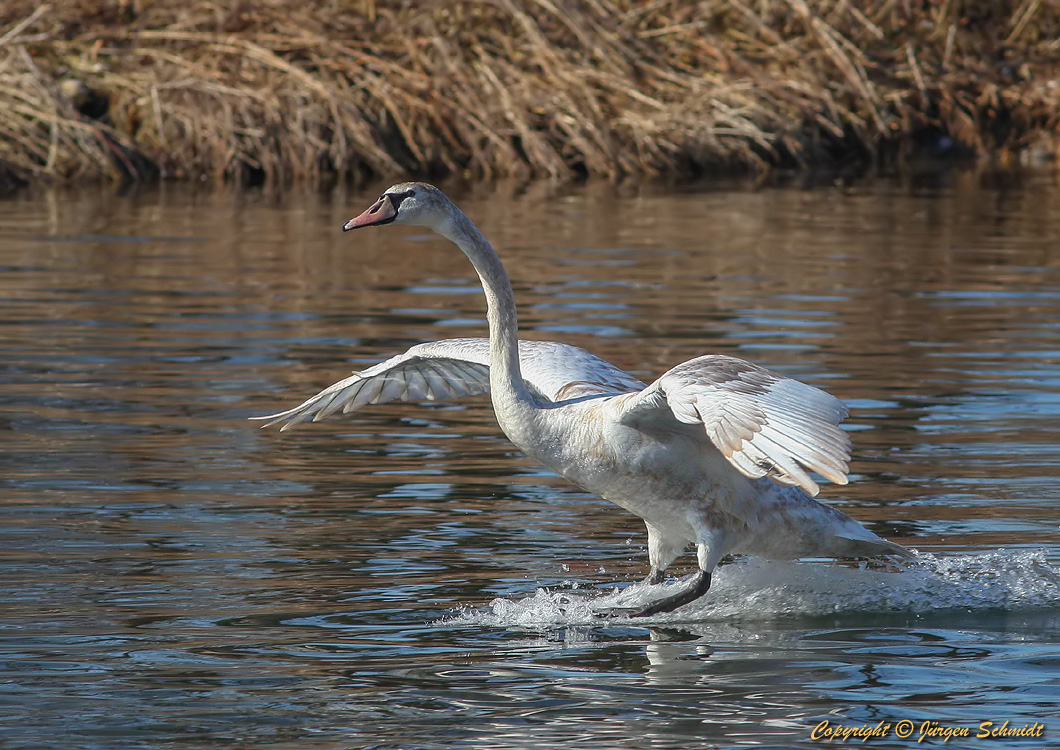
[[714, 453]]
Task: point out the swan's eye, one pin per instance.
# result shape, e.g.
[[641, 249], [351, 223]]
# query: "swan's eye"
[[397, 198]]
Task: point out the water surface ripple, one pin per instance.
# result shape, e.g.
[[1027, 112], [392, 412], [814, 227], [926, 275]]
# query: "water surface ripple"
[[172, 576]]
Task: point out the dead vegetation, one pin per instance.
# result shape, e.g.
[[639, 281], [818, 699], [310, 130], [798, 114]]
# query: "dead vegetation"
[[275, 90]]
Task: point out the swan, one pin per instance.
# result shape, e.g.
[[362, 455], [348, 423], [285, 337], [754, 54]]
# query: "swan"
[[716, 452]]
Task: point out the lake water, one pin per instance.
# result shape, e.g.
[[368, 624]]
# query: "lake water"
[[172, 576]]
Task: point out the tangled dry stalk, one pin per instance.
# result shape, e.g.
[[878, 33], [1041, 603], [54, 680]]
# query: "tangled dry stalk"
[[278, 90]]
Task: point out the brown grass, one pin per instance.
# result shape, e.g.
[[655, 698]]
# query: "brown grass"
[[278, 90]]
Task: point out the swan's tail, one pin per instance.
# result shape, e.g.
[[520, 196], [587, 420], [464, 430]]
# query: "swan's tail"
[[803, 527], [873, 546], [851, 539]]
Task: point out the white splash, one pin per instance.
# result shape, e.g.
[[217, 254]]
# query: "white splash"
[[752, 589]]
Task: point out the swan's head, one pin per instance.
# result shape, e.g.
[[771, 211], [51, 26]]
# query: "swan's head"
[[412, 203]]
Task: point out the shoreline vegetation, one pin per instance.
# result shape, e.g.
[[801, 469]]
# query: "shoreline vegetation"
[[274, 91]]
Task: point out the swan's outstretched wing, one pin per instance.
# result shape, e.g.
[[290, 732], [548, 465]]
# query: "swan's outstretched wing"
[[764, 423], [453, 368], [412, 376]]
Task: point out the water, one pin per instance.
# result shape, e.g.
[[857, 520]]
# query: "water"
[[172, 576]]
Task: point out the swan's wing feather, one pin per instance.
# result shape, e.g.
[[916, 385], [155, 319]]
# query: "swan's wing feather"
[[454, 368], [420, 374], [765, 424]]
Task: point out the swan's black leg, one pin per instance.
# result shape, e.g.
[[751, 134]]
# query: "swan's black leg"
[[699, 586], [655, 577]]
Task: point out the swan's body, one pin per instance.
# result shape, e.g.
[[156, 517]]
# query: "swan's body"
[[714, 453]]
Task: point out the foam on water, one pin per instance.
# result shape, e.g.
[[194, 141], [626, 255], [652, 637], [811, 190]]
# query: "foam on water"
[[752, 589]]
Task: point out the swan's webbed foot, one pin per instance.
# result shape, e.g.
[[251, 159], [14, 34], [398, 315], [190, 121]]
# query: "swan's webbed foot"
[[699, 586]]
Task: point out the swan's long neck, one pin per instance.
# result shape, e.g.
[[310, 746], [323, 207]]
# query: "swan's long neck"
[[509, 393]]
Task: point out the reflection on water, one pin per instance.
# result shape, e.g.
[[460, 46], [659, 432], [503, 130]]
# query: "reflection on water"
[[171, 574]]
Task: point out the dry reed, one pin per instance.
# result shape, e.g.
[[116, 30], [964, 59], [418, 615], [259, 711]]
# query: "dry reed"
[[278, 90]]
